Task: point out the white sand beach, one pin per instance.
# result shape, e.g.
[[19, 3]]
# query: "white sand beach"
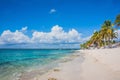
[[97, 64], [101, 64]]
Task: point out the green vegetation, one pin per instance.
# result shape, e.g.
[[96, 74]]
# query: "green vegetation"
[[117, 20], [104, 37]]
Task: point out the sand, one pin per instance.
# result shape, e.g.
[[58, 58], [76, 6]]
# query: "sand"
[[102, 64], [97, 64]]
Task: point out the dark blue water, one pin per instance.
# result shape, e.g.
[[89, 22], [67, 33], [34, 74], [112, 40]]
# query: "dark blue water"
[[16, 61]]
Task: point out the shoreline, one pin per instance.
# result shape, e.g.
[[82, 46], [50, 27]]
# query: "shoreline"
[[98, 64], [63, 72], [31, 75]]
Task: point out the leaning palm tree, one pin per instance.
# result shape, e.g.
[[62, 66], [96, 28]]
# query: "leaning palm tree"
[[94, 40], [90, 42]]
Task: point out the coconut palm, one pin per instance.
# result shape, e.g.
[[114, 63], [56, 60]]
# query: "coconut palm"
[[105, 36], [107, 31], [94, 40]]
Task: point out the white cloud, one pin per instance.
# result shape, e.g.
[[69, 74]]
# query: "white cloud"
[[8, 37], [56, 35], [24, 28], [52, 11]]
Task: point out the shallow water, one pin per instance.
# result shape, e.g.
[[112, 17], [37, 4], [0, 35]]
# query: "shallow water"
[[14, 62]]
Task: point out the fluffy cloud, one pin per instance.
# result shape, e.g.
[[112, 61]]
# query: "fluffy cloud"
[[56, 35], [8, 37], [52, 11]]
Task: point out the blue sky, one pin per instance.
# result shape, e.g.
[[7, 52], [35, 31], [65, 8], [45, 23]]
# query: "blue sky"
[[83, 16]]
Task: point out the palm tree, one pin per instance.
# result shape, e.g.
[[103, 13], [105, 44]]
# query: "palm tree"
[[105, 36], [117, 20], [94, 40], [107, 31]]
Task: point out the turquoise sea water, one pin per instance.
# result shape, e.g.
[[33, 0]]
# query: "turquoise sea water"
[[13, 62]]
